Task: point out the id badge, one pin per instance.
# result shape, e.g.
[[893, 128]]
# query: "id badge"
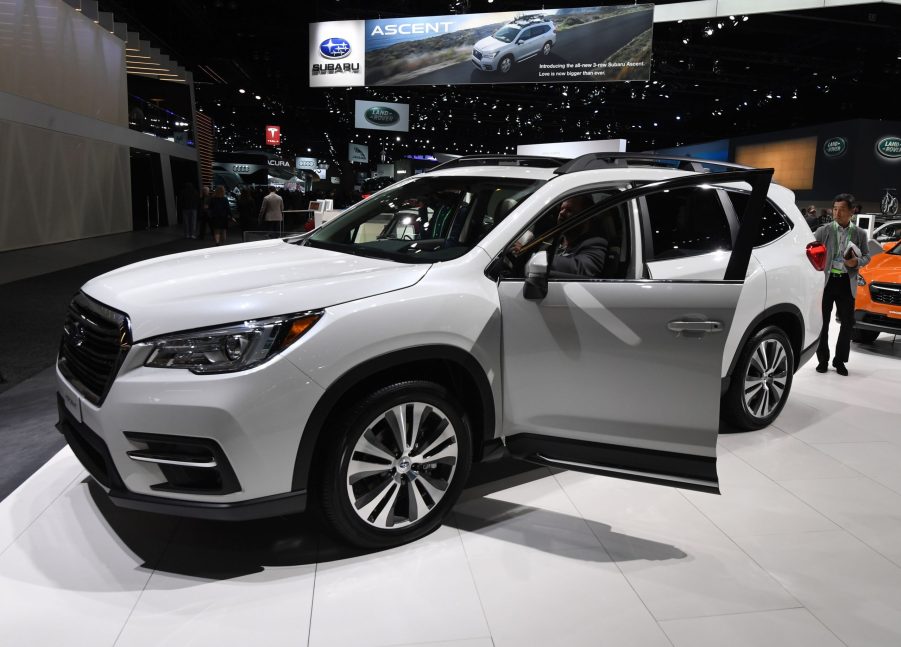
[[838, 265]]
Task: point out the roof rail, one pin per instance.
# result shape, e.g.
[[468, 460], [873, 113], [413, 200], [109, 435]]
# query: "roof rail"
[[592, 161], [501, 160]]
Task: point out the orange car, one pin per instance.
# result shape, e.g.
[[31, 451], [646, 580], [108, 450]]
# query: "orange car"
[[878, 305]]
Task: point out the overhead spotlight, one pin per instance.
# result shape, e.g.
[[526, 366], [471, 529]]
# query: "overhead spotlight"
[[242, 90], [744, 19], [257, 97], [709, 31]]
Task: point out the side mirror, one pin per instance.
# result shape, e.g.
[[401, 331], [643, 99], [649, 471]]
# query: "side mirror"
[[873, 247], [536, 277], [520, 42]]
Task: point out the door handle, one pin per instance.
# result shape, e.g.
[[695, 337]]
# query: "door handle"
[[695, 326]]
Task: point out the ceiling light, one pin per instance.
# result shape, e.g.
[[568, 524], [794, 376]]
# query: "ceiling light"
[[242, 90], [256, 96]]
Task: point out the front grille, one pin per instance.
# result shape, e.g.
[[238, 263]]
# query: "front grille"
[[889, 293], [477, 54], [94, 344]]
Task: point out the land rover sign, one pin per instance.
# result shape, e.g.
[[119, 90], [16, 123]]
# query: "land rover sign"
[[889, 147], [835, 147], [382, 116]]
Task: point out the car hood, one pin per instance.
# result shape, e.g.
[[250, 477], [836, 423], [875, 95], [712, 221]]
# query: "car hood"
[[222, 285], [883, 268], [490, 44]]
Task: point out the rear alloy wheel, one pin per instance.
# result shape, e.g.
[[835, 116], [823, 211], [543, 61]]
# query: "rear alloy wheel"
[[761, 380], [546, 49], [398, 467], [864, 336], [505, 65]]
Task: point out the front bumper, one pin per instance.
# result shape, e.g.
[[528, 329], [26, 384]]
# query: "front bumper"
[[484, 64], [201, 441], [94, 455], [867, 320]]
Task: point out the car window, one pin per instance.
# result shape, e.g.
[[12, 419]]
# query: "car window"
[[507, 34], [773, 224], [598, 249], [686, 222], [543, 29], [425, 220]]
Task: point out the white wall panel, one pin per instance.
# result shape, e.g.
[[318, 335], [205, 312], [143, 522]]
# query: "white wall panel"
[[56, 187], [52, 54]]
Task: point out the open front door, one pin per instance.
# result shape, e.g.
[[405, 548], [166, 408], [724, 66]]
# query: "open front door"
[[621, 376]]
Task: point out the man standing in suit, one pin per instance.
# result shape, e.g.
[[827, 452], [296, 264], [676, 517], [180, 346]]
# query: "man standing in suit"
[[843, 263], [272, 211]]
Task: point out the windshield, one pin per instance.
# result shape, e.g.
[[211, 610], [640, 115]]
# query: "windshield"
[[507, 34], [426, 220], [896, 250]]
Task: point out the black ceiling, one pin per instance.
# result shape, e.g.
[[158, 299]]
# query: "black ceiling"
[[710, 78]]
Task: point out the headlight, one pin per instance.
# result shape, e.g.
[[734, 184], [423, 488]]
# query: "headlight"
[[489, 55], [230, 348], [860, 281]]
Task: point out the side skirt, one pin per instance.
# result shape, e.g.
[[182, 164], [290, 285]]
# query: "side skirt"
[[632, 463]]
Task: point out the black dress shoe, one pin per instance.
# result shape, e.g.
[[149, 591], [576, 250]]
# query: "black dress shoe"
[[822, 367], [840, 368]]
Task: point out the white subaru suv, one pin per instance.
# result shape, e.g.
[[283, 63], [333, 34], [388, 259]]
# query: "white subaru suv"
[[367, 365], [513, 43]]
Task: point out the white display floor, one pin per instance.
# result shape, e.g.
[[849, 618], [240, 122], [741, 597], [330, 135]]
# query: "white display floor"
[[803, 548]]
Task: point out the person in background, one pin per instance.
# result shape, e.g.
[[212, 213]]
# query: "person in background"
[[246, 210], [188, 201], [272, 210], [846, 253], [219, 215], [204, 212], [811, 218]]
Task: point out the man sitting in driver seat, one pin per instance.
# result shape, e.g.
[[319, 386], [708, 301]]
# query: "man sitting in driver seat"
[[582, 253]]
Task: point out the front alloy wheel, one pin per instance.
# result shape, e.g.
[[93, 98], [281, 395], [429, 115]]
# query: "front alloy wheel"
[[546, 49], [506, 64], [399, 466], [761, 380]]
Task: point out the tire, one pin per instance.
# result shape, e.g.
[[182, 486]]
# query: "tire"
[[761, 381], [505, 65], [864, 336], [374, 491], [546, 50]]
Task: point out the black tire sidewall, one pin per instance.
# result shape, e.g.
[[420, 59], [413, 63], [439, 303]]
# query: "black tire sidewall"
[[864, 336], [335, 503], [735, 410]]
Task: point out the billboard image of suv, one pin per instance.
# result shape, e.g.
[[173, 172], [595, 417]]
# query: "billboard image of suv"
[[570, 45], [520, 40]]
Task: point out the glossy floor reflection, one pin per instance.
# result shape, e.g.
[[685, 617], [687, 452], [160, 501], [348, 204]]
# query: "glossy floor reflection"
[[803, 548]]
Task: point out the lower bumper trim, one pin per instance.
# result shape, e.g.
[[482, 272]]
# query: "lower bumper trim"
[[270, 506]]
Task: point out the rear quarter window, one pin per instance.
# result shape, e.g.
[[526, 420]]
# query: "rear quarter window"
[[773, 223]]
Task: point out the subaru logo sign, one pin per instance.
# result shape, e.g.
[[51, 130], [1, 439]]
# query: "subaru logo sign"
[[835, 147], [381, 116], [333, 48], [889, 147]]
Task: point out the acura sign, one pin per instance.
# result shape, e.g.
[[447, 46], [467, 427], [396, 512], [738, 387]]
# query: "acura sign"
[[376, 115]]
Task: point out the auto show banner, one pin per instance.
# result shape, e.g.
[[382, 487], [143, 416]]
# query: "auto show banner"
[[376, 115], [587, 44]]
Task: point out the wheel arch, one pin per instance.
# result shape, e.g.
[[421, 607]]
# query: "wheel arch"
[[447, 365], [784, 315]]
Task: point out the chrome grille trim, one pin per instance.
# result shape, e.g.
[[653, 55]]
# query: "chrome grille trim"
[[888, 293], [94, 343]]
